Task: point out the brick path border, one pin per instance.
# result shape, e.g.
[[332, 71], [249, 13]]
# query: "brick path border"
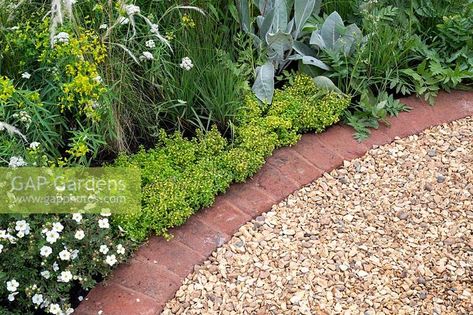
[[144, 284]]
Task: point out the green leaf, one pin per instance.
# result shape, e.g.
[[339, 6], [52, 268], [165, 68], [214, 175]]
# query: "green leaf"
[[280, 16], [308, 60], [267, 22], [325, 83], [302, 49], [279, 43], [244, 15], [302, 11], [330, 30], [317, 40], [264, 83]]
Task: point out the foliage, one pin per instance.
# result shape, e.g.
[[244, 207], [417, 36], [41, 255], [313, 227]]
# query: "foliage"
[[370, 110], [151, 87], [135, 51], [279, 34], [52, 95], [45, 259], [402, 47], [181, 176], [296, 104]]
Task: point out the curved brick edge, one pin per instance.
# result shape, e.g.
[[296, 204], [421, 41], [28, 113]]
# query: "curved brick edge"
[[144, 285]]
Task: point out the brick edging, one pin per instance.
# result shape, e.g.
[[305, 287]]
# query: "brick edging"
[[151, 278]]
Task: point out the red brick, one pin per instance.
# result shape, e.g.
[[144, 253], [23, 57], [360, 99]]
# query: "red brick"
[[223, 216], [400, 126], [452, 106], [115, 299], [199, 237], [172, 255], [377, 137], [249, 199], [420, 117], [318, 153], [340, 139], [294, 166], [147, 278], [272, 181]]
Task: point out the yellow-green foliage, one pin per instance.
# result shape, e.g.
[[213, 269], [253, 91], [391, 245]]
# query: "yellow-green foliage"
[[6, 89], [73, 120], [81, 84], [306, 106], [180, 176]]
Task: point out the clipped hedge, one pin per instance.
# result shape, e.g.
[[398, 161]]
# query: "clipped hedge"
[[181, 176]]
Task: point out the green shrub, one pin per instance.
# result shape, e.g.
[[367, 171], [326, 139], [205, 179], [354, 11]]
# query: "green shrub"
[[181, 176], [308, 107], [46, 259]]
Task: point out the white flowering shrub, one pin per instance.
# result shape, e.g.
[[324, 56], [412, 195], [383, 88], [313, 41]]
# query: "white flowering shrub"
[[49, 261]]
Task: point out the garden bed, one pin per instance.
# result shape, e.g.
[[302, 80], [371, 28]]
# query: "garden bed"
[[196, 97]]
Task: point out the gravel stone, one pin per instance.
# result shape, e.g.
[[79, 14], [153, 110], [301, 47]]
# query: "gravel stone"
[[380, 235], [440, 179]]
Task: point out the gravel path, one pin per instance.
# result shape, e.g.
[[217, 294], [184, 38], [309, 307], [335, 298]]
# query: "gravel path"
[[389, 233]]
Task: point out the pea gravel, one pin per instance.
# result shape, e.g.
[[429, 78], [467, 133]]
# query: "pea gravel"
[[389, 233]]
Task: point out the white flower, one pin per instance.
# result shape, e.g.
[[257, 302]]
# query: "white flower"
[[103, 249], [131, 9], [150, 44], [22, 226], [65, 255], [186, 64], [6, 236], [12, 239], [52, 236], [79, 234], [58, 227], [74, 254], [103, 27], [16, 161], [65, 276], [55, 309], [46, 274], [154, 29], [26, 75], [69, 311], [12, 285], [34, 145], [111, 260], [147, 56], [105, 212], [1, 248], [103, 223], [62, 37], [120, 249], [77, 217], [80, 298], [98, 79], [123, 20], [11, 296], [37, 299], [45, 251], [55, 266]]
